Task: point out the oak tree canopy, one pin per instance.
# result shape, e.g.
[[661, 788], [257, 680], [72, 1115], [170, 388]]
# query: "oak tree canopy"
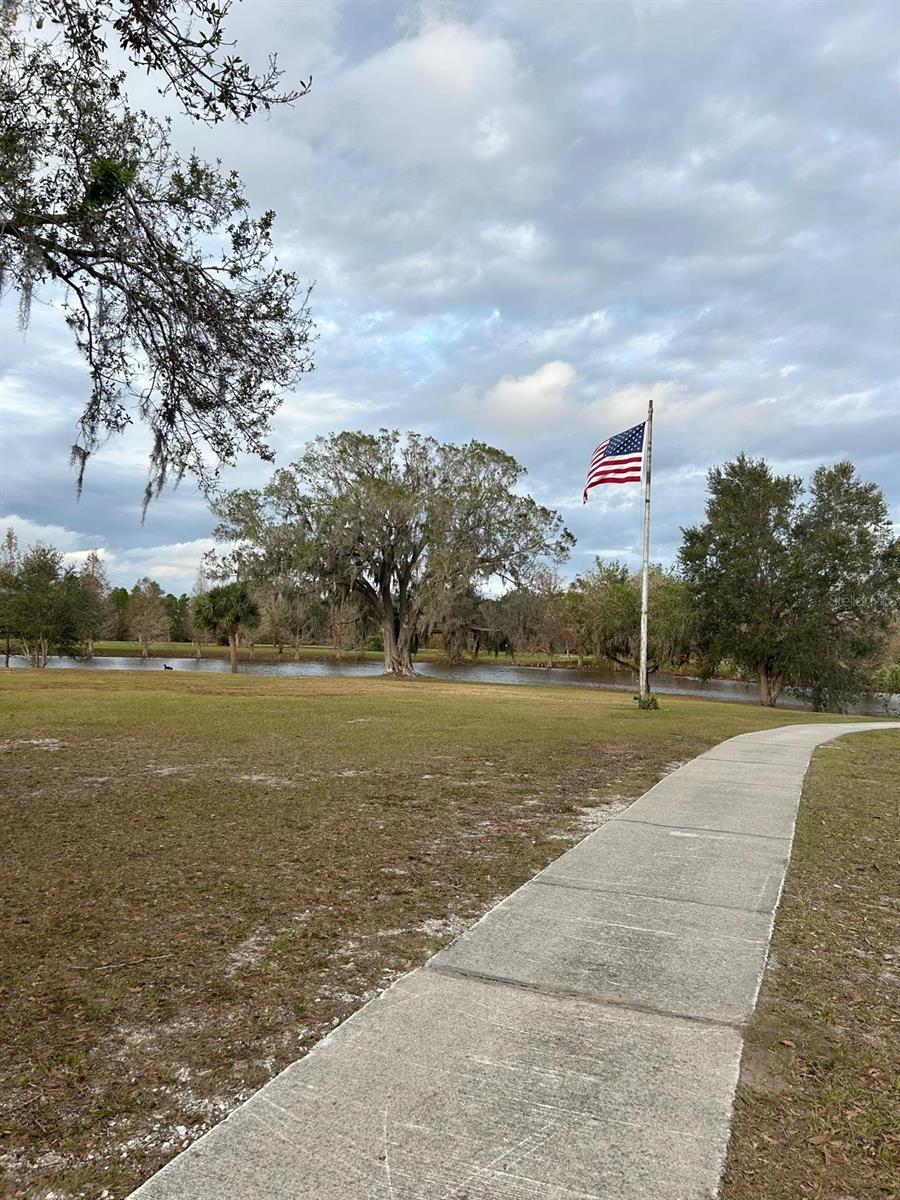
[[184, 319]]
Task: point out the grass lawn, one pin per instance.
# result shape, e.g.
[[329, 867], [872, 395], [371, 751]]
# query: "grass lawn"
[[202, 874], [818, 1109]]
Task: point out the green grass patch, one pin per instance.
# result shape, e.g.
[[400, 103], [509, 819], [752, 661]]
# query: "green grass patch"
[[817, 1107], [203, 873]]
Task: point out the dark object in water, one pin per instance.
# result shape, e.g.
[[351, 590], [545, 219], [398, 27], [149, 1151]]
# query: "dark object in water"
[[166, 667]]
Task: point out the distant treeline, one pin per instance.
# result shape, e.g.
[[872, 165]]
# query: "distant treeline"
[[386, 544]]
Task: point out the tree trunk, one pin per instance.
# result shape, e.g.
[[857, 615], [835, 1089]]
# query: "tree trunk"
[[198, 649], [232, 652], [143, 648], [89, 648], [397, 648], [7, 650], [770, 685]]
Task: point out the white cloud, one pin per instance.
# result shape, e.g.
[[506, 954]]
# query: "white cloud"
[[448, 93], [521, 241], [528, 402], [172, 563], [30, 533]]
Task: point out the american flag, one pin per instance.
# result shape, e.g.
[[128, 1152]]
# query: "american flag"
[[618, 459]]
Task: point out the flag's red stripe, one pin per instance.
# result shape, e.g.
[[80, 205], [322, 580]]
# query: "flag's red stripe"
[[636, 476], [594, 479], [615, 466], [615, 471], [622, 457], [599, 482]]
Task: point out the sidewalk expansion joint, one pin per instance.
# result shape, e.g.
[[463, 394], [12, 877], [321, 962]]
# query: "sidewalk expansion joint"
[[766, 837], [610, 891], [751, 762], [600, 999]]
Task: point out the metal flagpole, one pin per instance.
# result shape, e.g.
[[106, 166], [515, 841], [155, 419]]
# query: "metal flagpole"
[[645, 572]]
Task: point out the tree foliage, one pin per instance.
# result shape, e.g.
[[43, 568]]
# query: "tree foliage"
[[148, 618], [95, 614], [400, 522], [171, 292], [799, 589], [179, 611], [606, 608], [45, 605], [225, 611]]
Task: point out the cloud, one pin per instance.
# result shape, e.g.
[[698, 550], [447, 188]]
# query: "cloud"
[[30, 533], [524, 220], [525, 403], [171, 564], [445, 96]]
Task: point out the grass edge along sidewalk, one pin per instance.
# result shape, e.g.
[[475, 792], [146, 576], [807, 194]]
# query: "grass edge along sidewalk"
[[816, 1112]]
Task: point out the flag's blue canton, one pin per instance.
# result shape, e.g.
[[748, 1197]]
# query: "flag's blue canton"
[[629, 442]]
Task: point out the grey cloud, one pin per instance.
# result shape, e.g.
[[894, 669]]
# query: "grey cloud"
[[695, 198]]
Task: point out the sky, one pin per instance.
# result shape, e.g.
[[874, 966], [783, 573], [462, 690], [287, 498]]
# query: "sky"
[[523, 220]]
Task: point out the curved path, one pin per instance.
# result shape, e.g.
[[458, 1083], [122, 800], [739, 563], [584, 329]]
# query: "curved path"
[[581, 1042]]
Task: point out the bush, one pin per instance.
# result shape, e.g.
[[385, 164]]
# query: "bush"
[[886, 680], [650, 701]]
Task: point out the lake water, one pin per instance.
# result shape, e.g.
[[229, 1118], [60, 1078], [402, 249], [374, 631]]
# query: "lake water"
[[470, 672]]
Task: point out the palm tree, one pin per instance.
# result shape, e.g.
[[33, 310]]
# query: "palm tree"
[[222, 611]]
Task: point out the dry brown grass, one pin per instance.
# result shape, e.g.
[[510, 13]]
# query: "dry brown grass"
[[202, 874]]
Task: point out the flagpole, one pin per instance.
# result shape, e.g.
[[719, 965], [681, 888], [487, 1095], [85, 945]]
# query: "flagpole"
[[645, 570]]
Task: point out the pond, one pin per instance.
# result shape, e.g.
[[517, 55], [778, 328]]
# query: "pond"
[[473, 672]]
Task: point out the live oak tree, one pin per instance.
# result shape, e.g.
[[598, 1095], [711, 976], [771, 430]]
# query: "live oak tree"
[[398, 521], [170, 291], [224, 612], [798, 589]]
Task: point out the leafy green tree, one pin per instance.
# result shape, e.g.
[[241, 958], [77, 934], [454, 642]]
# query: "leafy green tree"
[[224, 612], [95, 602], [148, 619], [119, 624], [886, 683], [46, 605], [171, 292], [178, 608], [606, 610], [398, 522], [798, 590]]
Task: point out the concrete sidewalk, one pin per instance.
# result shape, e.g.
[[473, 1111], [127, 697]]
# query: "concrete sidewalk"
[[583, 1040]]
